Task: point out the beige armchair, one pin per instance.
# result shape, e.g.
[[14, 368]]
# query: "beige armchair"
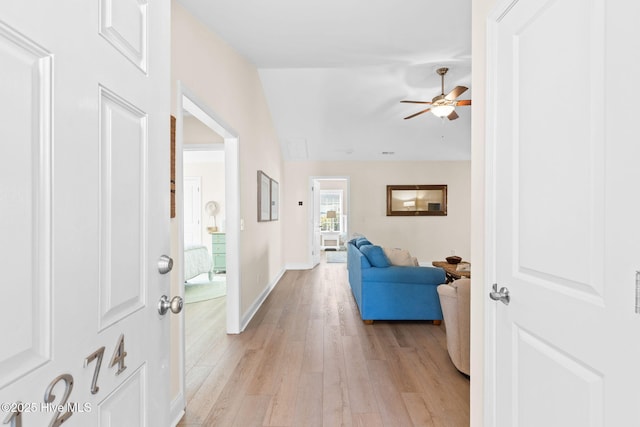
[[455, 302]]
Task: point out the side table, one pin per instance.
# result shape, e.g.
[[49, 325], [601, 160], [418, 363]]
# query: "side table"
[[450, 270]]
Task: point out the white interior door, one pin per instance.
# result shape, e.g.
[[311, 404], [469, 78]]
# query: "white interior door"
[[192, 210], [315, 222], [561, 119], [84, 174]]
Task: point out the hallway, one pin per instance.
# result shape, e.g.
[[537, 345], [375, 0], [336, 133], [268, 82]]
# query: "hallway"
[[306, 359]]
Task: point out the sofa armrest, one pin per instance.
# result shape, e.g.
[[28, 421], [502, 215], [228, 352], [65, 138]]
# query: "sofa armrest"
[[454, 298]]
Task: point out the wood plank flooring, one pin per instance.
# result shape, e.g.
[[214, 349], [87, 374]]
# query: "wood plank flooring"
[[307, 359]]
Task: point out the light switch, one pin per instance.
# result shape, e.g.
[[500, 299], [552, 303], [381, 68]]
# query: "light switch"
[[241, 224]]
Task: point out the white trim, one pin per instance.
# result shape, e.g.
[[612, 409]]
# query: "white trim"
[[299, 266], [490, 339], [257, 303], [177, 409], [179, 404], [206, 146]]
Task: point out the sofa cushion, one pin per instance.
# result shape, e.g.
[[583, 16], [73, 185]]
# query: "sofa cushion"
[[375, 255], [362, 241], [400, 257]]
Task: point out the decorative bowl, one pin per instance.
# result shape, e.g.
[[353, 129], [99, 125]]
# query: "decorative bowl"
[[453, 259]]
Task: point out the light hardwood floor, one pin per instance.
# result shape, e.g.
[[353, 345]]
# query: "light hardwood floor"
[[307, 359]]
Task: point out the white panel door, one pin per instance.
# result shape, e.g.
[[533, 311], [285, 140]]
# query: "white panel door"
[[315, 222], [192, 211], [84, 217], [562, 128]]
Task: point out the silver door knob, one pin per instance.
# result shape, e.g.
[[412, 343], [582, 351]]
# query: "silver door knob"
[[165, 264], [500, 295], [175, 305]]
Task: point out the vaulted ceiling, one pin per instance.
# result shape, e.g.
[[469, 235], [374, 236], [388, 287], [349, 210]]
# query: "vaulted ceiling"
[[334, 72]]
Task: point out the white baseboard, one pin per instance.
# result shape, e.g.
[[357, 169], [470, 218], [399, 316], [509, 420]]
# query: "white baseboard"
[[177, 409], [258, 302], [299, 266]]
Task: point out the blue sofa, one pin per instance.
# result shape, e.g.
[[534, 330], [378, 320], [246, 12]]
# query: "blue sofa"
[[386, 292]]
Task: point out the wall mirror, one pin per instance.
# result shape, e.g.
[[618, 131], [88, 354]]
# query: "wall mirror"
[[416, 200]]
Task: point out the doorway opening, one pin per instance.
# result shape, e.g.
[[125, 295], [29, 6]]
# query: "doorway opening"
[[219, 214], [203, 219], [330, 218]]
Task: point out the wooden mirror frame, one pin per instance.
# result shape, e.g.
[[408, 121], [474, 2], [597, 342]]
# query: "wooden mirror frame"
[[417, 200]]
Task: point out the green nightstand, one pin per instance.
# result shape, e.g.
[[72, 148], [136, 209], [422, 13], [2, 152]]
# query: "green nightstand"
[[218, 251]]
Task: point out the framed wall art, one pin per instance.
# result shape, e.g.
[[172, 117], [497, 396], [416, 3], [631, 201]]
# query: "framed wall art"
[[264, 197]]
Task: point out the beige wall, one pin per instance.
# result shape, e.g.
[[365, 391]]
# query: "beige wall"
[[230, 86], [427, 238], [196, 132]]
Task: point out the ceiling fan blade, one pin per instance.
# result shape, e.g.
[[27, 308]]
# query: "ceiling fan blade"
[[453, 115], [456, 92], [463, 102], [417, 102], [417, 114]]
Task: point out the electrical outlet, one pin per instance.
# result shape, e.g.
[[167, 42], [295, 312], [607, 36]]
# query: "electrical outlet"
[[453, 252]]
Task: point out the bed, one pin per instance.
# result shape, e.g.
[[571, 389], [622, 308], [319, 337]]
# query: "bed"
[[196, 261]]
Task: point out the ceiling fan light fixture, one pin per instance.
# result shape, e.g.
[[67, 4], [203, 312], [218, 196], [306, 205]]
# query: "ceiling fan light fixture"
[[442, 105], [442, 110]]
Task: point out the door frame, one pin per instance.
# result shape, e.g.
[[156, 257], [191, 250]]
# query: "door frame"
[[188, 101], [490, 225], [313, 209]]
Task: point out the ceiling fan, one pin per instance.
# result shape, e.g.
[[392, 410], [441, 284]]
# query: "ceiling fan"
[[443, 105]]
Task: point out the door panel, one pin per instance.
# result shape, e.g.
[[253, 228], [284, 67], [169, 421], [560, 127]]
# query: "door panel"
[[84, 177], [124, 407], [25, 194], [539, 368], [569, 150], [124, 24], [123, 142], [560, 338]]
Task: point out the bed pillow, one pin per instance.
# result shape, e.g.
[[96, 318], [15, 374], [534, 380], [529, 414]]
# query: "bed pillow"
[[375, 255], [400, 257]]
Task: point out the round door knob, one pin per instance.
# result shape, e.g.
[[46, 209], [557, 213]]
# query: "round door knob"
[[165, 264], [175, 305]]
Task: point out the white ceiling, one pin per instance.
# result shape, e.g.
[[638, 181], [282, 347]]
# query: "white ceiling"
[[334, 72]]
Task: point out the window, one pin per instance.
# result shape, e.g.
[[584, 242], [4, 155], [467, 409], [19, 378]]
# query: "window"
[[331, 217]]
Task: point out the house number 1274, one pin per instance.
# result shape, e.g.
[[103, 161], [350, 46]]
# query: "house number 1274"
[[16, 409]]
